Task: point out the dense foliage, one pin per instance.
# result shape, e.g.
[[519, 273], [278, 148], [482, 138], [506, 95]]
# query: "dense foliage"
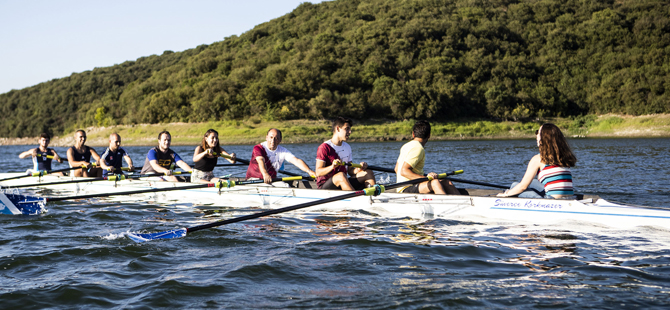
[[397, 59]]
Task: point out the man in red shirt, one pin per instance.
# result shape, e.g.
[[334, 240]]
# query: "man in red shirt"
[[332, 154]]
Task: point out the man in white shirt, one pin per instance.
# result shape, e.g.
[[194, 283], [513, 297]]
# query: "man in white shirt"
[[268, 157]]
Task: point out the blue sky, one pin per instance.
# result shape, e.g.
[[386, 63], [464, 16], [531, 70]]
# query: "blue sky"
[[44, 40]]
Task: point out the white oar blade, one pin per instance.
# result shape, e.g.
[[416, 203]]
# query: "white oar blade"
[[170, 234]]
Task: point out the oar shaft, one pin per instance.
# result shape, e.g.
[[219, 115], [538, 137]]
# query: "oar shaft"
[[296, 178], [275, 211], [155, 190], [40, 173], [478, 183]]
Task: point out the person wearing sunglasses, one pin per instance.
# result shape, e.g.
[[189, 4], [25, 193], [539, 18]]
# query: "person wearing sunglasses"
[[551, 166]]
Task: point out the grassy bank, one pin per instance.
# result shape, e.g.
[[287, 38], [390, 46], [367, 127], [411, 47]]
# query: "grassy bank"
[[300, 131]]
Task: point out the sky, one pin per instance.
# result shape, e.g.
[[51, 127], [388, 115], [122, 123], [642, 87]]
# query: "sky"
[[44, 40]]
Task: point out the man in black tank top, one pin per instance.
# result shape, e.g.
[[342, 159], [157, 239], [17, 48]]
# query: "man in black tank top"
[[40, 155], [80, 155]]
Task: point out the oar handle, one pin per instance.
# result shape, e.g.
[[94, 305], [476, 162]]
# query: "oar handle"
[[376, 168], [52, 157], [123, 168], [285, 179], [230, 157]]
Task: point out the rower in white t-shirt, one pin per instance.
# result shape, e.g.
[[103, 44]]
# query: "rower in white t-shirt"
[[268, 157]]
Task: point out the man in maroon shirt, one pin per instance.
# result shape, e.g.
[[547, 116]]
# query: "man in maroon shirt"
[[332, 154]]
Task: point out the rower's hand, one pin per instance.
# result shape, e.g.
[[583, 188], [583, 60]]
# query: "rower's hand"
[[168, 172], [336, 163], [364, 166], [209, 152], [131, 168], [312, 174], [504, 194], [432, 175], [58, 159], [267, 179], [86, 165], [233, 157]]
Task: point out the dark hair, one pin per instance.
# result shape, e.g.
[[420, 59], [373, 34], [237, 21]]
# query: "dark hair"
[[45, 136], [163, 132], [340, 121], [278, 132], [554, 148], [203, 144], [80, 130], [421, 129]]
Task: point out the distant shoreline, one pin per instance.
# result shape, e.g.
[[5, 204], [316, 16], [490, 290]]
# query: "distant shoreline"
[[309, 131]]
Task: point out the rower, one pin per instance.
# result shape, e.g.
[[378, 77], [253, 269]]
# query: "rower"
[[268, 157], [161, 159], [42, 155], [411, 161], [80, 155], [205, 157], [331, 157], [111, 160]]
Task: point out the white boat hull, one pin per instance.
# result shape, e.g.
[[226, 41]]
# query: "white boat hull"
[[478, 208]]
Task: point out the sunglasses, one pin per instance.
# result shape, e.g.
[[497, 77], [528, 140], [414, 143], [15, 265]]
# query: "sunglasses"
[[537, 131]]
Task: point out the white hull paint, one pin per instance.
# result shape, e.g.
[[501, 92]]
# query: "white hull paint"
[[477, 208]]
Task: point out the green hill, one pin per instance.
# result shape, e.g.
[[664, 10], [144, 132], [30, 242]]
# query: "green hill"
[[393, 59]]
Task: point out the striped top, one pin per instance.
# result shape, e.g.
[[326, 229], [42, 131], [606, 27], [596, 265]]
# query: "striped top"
[[556, 180]]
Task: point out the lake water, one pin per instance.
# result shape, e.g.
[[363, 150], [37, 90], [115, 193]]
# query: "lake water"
[[75, 256]]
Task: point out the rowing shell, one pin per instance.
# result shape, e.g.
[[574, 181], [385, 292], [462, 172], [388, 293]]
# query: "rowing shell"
[[481, 205]]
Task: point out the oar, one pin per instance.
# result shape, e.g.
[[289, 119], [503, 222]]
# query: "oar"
[[370, 191], [230, 165], [286, 179], [477, 183], [247, 162], [52, 157], [40, 173], [107, 178], [382, 169], [218, 184], [450, 179]]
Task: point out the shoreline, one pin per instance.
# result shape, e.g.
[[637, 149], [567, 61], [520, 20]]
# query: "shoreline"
[[253, 131]]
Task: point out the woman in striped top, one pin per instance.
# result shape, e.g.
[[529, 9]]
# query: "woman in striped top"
[[552, 167]]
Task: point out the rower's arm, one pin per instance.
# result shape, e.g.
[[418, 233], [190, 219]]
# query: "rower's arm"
[[129, 161], [154, 164], [104, 166], [199, 154], [233, 157], [264, 171], [531, 171], [28, 153], [184, 166], [95, 156], [406, 171], [322, 169], [56, 156], [301, 165]]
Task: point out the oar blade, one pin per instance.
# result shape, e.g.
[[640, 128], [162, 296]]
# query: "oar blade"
[[170, 234]]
